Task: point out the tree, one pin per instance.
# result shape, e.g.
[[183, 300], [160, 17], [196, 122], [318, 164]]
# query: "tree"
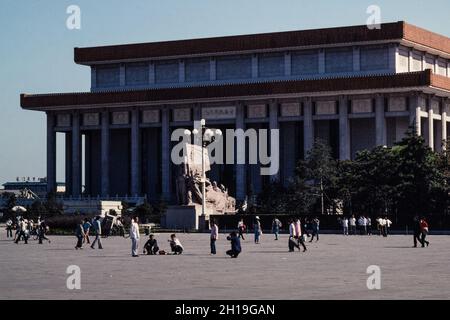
[[272, 198], [316, 177], [422, 186], [144, 211]]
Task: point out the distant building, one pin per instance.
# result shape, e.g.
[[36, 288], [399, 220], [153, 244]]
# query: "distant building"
[[37, 186]]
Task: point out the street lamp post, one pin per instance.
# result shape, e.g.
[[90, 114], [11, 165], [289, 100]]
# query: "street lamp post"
[[205, 135]]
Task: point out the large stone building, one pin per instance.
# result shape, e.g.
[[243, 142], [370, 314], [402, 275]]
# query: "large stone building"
[[351, 86]]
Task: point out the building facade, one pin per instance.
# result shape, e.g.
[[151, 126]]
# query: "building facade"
[[353, 87]]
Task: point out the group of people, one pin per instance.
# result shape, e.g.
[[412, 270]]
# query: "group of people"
[[25, 228], [363, 225], [83, 231], [298, 233]]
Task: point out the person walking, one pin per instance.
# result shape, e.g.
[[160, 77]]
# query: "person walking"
[[86, 226], [299, 233], [276, 225], [293, 242], [424, 232], [134, 236], [345, 226], [416, 231], [42, 230], [98, 232], [257, 229], [315, 229], [79, 233], [22, 231], [151, 246], [241, 228], [235, 245], [9, 227], [388, 226], [214, 236], [383, 227], [352, 224]]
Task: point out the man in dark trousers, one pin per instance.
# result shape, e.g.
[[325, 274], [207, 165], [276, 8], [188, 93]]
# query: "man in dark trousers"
[[416, 231], [235, 245], [151, 246], [98, 232]]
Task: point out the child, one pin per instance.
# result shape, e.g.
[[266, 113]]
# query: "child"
[[151, 246], [175, 244]]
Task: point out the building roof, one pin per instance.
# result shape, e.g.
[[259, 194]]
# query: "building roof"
[[395, 31], [411, 80]]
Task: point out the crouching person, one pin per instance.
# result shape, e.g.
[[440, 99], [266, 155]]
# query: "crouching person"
[[151, 246], [175, 244], [235, 245]]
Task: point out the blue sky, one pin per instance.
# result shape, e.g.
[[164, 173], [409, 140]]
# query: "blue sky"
[[36, 48]]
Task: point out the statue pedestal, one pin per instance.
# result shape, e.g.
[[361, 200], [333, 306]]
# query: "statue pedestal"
[[187, 217]]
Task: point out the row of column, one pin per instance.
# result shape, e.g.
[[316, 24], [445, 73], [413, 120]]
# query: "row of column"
[[73, 161]]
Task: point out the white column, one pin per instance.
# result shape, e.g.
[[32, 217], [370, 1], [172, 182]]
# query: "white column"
[[430, 126], [135, 154], [344, 129], [76, 155], [308, 126], [51, 153], [105, 154], [414, 113], [380, 121], [444, 125], [410, 61]]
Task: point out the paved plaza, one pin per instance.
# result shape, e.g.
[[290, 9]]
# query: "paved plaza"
[[333, 268]]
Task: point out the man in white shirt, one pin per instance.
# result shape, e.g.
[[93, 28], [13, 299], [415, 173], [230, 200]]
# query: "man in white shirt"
[[345, 226], [352, 223], [9, 227], [134, 236], [388, 226]]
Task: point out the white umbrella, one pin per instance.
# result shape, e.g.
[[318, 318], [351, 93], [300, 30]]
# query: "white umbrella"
[[18, 209]]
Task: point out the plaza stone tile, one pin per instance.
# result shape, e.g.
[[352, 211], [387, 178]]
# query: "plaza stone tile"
[[333, 268]]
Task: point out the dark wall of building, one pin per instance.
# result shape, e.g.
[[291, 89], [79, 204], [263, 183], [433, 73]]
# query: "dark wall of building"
[[151, 162], [119, 175]]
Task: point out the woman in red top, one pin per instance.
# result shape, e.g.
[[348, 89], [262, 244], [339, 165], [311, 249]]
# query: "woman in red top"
[[424, 231]]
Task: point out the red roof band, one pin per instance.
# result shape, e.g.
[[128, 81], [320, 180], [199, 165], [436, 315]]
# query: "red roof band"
[[277, 40], [401, 80]]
